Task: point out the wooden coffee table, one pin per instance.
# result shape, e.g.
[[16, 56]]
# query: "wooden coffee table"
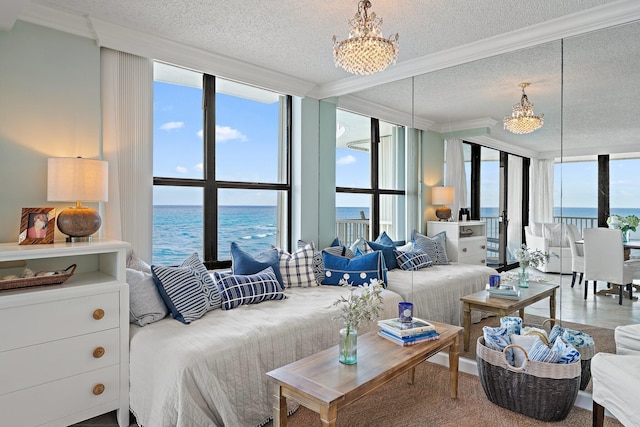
[[324, 385], [503, 306]]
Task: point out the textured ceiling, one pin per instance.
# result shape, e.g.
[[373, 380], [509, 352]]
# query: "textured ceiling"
[[601, 77]]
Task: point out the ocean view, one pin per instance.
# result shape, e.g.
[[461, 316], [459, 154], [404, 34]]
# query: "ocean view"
[[177, 230]]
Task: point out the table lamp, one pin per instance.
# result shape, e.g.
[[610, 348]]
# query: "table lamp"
[[74, 179], [443, 196]]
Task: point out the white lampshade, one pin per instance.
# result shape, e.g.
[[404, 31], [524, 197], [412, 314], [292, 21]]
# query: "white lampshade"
[[73, 179], [442, 195]]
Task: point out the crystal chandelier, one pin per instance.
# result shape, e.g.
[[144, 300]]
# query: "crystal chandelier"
[[523, 119], [366, 51]]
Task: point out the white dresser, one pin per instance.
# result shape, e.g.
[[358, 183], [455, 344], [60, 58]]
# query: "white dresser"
[[64, 349], [466, 240]]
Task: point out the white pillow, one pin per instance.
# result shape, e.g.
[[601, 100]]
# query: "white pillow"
[[553, 233], [524, 341], [405, 248]]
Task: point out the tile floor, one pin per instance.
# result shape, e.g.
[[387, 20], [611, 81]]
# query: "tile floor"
[[597, 310]]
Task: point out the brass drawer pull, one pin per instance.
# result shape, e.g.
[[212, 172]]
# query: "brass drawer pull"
[[98, 389], [483, 261], [464, 249], [483, 247], [98, 352], [98, 314]]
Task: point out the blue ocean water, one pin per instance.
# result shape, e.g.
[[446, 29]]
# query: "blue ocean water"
[[177, 230]]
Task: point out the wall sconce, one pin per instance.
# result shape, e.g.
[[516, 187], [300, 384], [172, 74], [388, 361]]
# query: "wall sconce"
[[443, 196], [74, 179]]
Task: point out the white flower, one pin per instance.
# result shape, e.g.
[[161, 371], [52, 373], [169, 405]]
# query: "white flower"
[[363, 303]]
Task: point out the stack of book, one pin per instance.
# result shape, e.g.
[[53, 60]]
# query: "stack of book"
[[405, 333], [504, 291]]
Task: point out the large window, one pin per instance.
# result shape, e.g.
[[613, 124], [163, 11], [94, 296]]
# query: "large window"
[[370, 159], [221, 167]]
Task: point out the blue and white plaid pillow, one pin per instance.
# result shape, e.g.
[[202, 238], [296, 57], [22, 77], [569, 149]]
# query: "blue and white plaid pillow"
[[318, 263], [250, 289], [297, 268], [188, 290], [434, 246], [414, 260]]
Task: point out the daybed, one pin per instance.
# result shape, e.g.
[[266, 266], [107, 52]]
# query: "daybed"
[[212, 372]]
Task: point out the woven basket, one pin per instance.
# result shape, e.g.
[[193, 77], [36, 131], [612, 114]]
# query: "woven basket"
[[54, 279], [586, 354], [544, 391]]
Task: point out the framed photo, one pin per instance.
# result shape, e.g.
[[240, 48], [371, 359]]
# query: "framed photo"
[[37, 226]]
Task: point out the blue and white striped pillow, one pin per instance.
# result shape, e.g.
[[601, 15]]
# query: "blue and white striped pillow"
[[434, 246], [188, 290], [413, 260], [249, 289]]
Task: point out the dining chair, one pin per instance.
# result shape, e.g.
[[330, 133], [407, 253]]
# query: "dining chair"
[[604, 260], [577, 259]]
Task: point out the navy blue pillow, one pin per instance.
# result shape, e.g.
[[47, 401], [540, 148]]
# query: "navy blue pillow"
[[358, 270], [244, 264], [387, 252], [384, 239]]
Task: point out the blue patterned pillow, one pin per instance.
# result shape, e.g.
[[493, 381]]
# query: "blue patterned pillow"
[[434, 246], [512, 324], [577, 339], [358, 270], [337, 248], [540, 352], [243, 263], [297, 268], [497, 339], [248, 289], [566, 352], [555, 332], [318, 264], [188, 290], [387, 253], [413, 260]]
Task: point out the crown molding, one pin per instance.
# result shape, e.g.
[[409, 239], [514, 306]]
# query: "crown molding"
[[607, 15], [486, 122], [373, 109], [11, 10], [150, 46]]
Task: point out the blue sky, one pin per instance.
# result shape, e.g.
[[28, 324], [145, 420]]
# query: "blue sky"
[[247, 141]]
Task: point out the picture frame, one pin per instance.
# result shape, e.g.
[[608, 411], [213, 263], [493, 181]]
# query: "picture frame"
[[37, 226]]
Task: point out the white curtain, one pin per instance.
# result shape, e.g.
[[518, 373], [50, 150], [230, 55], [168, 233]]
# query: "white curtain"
[[127, 144], [514, 208], [413, 211], [455, 175], [541, 190]]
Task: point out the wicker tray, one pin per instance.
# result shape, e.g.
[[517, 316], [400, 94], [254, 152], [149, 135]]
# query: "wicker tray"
[[55, 279]]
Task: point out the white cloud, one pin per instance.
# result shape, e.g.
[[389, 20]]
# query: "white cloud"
[[172, 125], [181, 169], [225, 133], [198, 167], [346, 160], [200, 133]]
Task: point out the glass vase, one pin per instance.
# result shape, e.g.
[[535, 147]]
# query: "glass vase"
[[523, 278], [348, 346], [625, 236]]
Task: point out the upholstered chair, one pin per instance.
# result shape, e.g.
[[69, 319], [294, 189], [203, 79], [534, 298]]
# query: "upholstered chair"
[[577, 259], [615, 387], [604, 260]]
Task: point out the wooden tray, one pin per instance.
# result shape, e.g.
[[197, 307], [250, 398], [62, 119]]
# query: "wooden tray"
[[22, 282]]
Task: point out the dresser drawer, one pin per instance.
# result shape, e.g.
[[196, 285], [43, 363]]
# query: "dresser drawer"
[[38, 323], [42, 363], [57, 399], [471, 247], [477, 259]]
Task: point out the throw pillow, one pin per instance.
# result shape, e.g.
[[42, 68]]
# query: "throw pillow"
[[434, 246], [414, 260], [242, 263], [188, 290], [248, 289], [524, 341], [357, 271], [566, 352], [145, 303], [360, 246], [406, 247], [512, 324], [337, 246], [297, 268], [497, 339], [387, 252], [384, 239], [136, 263], [553, 233], [540, 352], [318, 264]]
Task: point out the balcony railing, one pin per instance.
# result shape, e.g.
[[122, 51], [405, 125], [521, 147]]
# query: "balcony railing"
[[350, 230]]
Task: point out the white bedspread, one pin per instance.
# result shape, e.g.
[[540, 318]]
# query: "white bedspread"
[[436, 291], [212, 372]]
